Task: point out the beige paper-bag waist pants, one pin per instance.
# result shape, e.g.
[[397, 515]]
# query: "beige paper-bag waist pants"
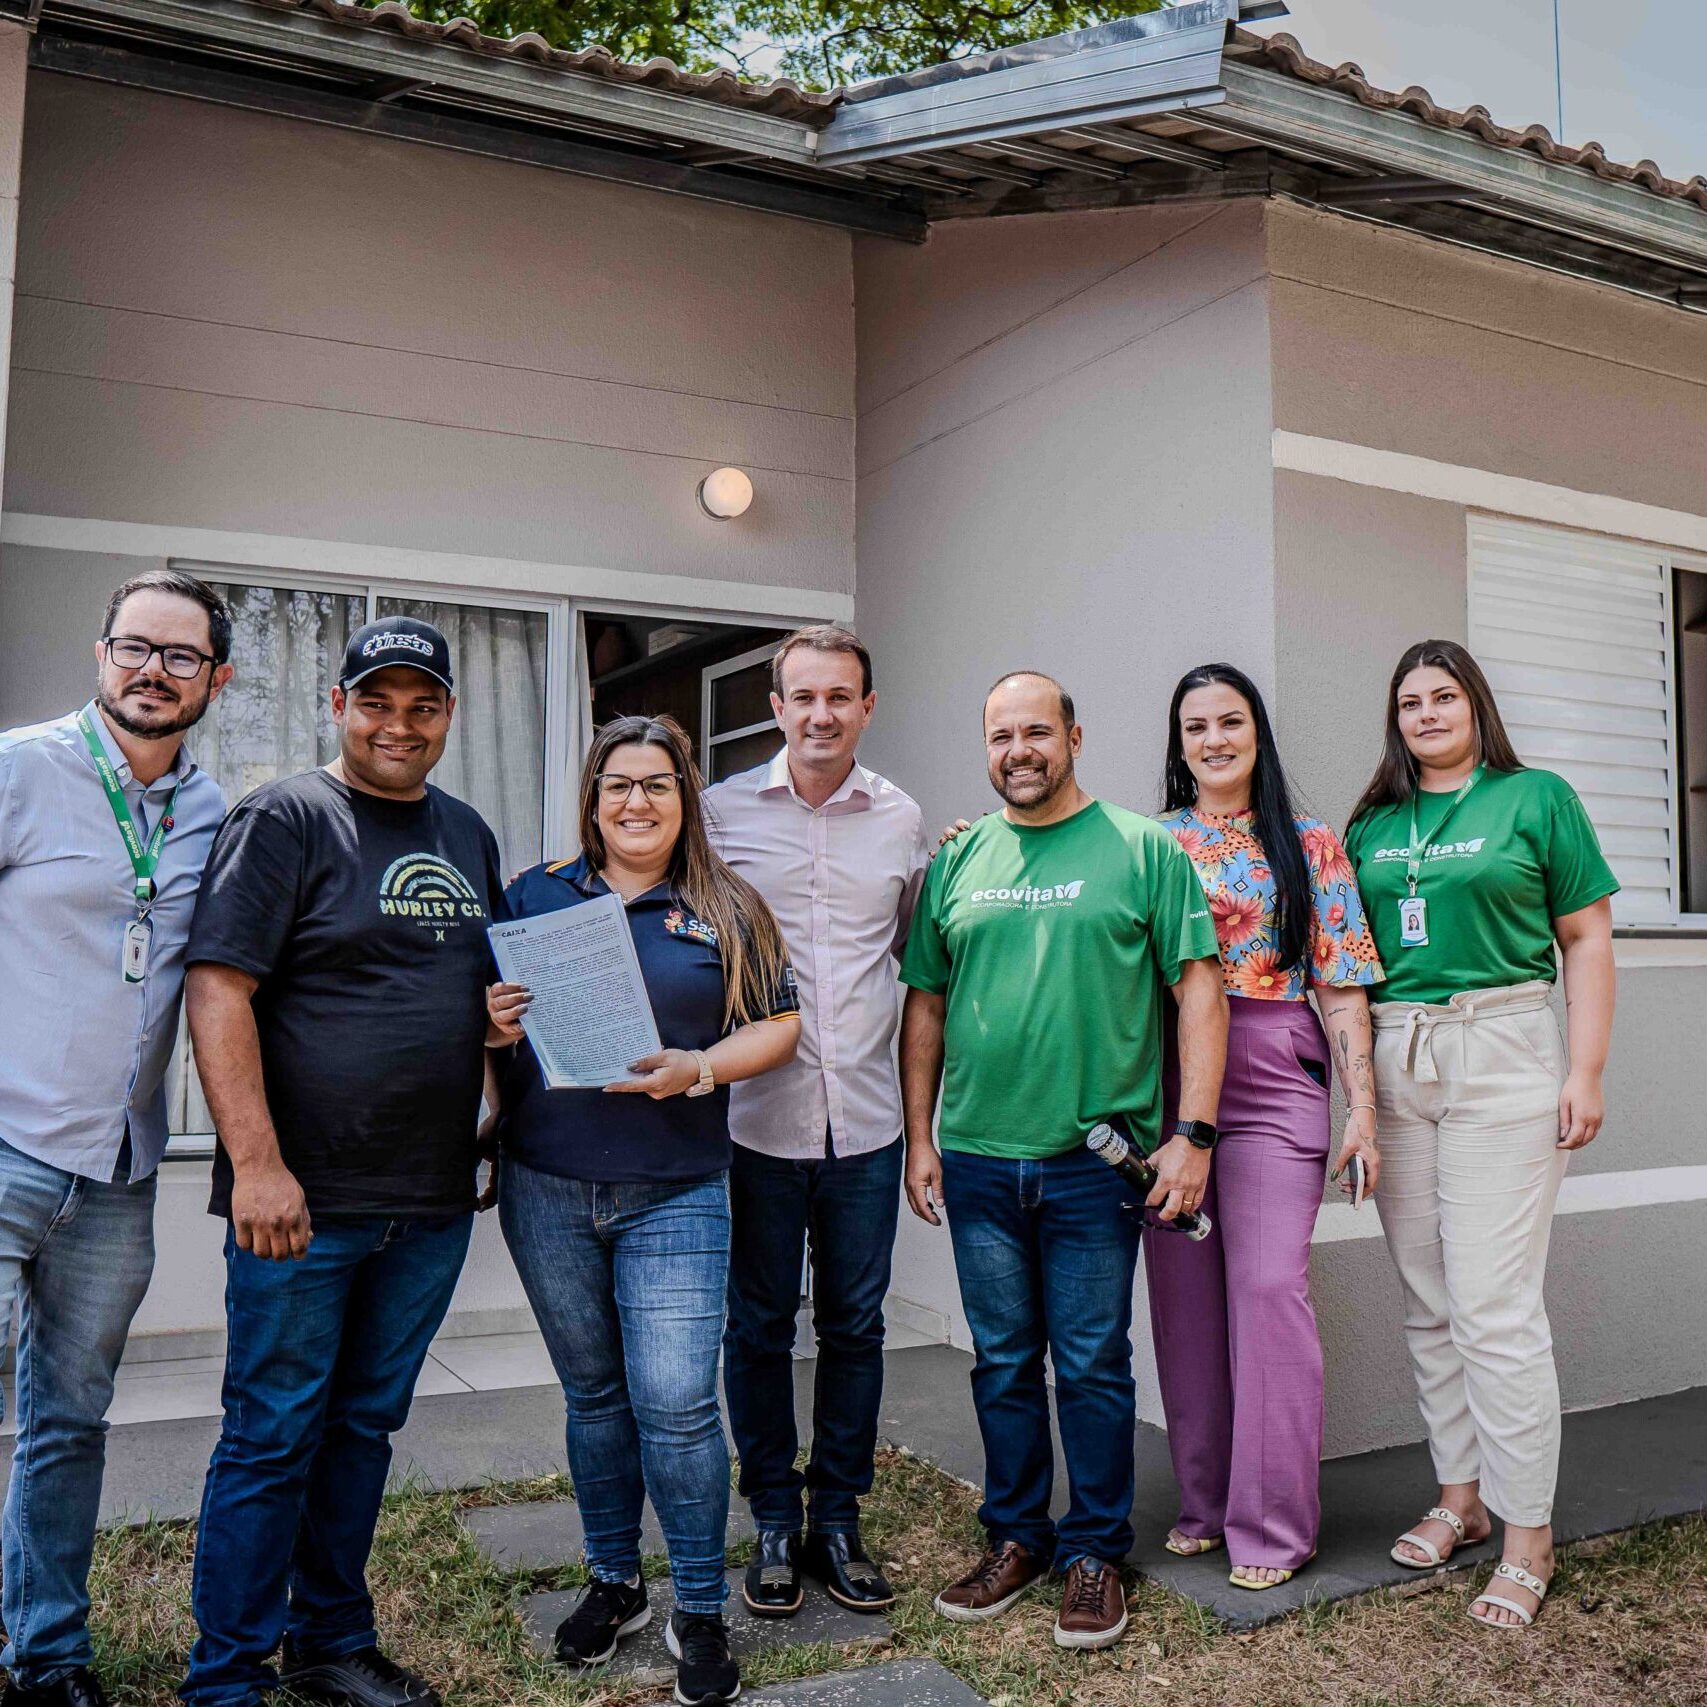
[[1468, 1104]]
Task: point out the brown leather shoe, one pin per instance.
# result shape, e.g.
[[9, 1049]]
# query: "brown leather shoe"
[[1000, 1577], [1093, 1606]]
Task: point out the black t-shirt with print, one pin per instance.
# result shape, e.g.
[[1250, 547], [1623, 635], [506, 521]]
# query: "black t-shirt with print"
[[364, 919]]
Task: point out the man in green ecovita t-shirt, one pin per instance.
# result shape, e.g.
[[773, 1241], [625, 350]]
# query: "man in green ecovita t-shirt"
[[1035, 964]]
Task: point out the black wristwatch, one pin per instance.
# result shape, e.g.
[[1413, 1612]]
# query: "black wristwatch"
[[1201, 1134]]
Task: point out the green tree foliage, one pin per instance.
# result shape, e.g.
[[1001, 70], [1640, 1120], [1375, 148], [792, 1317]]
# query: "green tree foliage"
[[822, 42], [691, 32], [846, 41]]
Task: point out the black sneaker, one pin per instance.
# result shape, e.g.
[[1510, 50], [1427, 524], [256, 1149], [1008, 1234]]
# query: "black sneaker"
[[602, 1617], [365, 1678], [78, 1688], [705, 1674]]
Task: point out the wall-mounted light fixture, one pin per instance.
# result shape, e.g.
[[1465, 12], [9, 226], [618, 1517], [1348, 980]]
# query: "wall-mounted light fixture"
[[725, 494]]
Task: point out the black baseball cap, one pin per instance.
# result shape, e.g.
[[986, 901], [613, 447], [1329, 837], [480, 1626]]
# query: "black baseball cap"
[[396, 640]]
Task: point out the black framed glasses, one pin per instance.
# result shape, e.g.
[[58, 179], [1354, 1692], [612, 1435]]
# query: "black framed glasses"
[[132, 652], [659, 786]]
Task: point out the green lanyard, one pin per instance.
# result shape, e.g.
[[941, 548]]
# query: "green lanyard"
[[1414, 858], [144, 858]]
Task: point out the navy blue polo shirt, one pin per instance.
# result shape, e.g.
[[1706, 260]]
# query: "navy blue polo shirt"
[[592, 1135]]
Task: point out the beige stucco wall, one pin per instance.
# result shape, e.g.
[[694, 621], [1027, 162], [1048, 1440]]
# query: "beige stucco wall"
[[1048, 480], [232, 322], [1386, 340]]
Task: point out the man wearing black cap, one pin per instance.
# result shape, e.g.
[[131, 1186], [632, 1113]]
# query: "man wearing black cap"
[[338, 962]]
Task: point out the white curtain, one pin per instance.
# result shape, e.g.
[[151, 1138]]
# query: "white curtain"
[[275, 719]]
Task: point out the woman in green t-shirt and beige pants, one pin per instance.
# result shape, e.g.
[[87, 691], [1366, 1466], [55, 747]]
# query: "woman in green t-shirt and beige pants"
[[1471, 868]]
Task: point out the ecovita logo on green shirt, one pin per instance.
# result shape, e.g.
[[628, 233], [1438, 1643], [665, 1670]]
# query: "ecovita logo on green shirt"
[[430, 891], [1052, 895], [1445, 850]]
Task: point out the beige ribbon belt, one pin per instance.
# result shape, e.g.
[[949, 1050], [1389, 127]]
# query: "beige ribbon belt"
[[1420, 1021]]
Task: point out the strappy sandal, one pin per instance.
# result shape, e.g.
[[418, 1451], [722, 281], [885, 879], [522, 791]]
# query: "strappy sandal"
[[1237, 1578], [1189, 1546], [1435, 1558], [1523, 1579]]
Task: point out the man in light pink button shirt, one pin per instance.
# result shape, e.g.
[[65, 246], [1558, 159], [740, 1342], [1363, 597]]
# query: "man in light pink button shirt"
[[839, 853]]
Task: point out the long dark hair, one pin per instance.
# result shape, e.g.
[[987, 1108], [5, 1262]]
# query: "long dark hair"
[[1395, 777], [1271, 806], [748, 940]]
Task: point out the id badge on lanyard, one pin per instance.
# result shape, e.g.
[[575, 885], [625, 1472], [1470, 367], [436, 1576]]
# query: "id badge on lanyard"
[[1413, 909], [1413, 921], [144, 856], [133, 963]]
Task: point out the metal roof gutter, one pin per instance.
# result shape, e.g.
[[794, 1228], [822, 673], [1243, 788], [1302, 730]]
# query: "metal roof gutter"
[[297, 64], [1330, 128], [302, 37], [1167, 61]]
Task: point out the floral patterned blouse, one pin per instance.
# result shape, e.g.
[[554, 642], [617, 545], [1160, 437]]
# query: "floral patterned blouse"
[[1236, 877]]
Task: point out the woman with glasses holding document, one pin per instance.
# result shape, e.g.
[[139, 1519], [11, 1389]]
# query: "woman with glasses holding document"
[[614, 1200], [1474, 868]]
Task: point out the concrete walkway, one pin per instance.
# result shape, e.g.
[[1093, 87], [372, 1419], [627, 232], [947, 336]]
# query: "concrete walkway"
[[1623, 1465]]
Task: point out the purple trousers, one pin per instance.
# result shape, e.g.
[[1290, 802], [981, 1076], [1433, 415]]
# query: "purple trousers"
[[1236, 1343]]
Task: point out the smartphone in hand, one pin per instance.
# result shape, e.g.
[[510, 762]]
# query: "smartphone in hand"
[[1359, 1180]]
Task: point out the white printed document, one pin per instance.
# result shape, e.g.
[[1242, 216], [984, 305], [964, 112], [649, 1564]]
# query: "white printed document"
[[590, 1017]]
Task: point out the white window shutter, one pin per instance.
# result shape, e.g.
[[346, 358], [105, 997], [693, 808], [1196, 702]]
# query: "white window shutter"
[[1574, 632]]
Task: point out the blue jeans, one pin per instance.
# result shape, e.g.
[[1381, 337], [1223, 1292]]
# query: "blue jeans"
[[845, 1207], [78, 1254], [320, 1365], [627, 1282], [1045, 1255]]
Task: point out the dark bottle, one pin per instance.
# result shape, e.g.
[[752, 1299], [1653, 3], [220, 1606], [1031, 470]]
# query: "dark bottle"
[[1105, 1142]]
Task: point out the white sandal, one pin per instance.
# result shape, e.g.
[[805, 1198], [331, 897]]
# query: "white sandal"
[[1423, 1545], [1524, 1616]]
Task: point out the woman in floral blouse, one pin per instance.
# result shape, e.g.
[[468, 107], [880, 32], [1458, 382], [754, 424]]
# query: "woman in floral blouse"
[[1236, 1344]]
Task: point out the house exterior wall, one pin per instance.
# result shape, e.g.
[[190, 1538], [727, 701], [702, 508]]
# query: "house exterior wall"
[[1485, 367], [1044, 480], [234, 329], [230, 327], [347, 338], [1063, 465]]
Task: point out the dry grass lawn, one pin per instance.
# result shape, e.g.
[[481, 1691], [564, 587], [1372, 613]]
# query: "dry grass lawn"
[[1626, 1622]]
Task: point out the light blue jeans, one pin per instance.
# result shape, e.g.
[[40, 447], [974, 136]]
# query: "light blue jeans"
[[76, 1255], [628, 1284]]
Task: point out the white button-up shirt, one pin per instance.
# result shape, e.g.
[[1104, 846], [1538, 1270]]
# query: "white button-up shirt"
[[842, 879], [83, 1054]]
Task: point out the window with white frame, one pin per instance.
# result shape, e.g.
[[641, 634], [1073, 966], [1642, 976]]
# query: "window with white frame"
[[1596, 649], [275, 720]]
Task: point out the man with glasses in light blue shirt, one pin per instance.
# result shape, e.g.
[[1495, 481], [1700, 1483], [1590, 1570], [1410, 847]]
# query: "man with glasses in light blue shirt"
[[105, 824]]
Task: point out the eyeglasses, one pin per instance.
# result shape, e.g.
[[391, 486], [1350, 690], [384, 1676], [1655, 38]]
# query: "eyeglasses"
[[131, 652], [660, 786]]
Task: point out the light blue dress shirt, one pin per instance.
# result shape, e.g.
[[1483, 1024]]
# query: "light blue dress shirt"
[[83, 1053]]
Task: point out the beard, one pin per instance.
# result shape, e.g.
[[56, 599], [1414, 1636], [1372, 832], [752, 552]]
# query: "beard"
[[152, 722], [1034, 792]]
